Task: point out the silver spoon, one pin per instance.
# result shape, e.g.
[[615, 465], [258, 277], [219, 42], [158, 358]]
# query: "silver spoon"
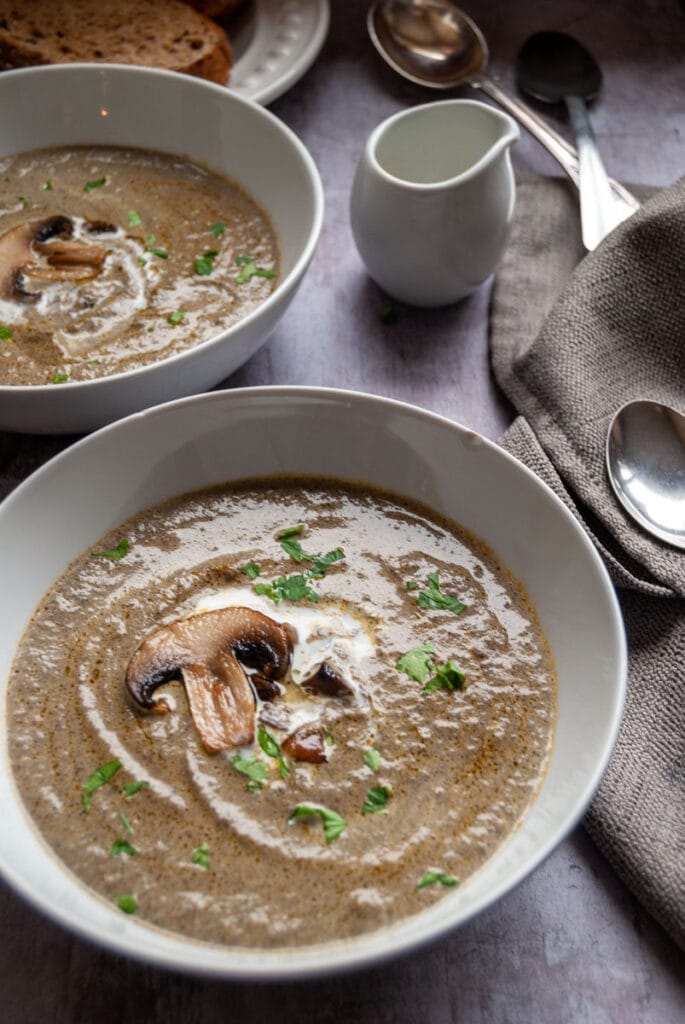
[[435, 44], [645, 458], [555, 68]]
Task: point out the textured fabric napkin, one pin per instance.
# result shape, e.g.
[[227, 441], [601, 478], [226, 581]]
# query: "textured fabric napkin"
[[572, 339]]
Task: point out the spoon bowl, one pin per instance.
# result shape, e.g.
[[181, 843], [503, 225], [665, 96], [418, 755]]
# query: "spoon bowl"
[[645, 459]]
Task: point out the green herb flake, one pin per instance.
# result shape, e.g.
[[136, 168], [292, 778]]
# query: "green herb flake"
[[24, 201], [412, 585], [134, 220], [127, 903], [290, 531], [376, 799], [253, 768], [175, 318], [323, 563], [292, 547], [251, 570], [5, 333], [59, 378], [217, 229], [142, 261], [447, 677], [204, 265], [272, 749], [201, 856], [388, 315], [100, 777], [93, 362], [90, 186], [417, 663], [129, 789], [47, 186], [431, 877], [333, 823], [372, 759], [120, 551], [433, 597], [328, 739], [120, 846], [250, 270], [162, 254], [128, 827], [288, 588]]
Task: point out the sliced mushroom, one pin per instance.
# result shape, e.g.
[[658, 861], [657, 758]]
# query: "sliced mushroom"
[[306, 744], [207, 651], [327, 681], [266, 689], [64, 260]]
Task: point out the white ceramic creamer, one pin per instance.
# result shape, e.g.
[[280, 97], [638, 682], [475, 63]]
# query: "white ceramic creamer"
[[433, 198]]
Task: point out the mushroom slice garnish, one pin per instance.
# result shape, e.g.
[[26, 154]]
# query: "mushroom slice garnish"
[[207, 651], [65, 260], [306, 744], [328, 682]]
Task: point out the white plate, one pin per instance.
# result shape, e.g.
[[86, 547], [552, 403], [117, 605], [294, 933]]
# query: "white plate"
[[274, 43]]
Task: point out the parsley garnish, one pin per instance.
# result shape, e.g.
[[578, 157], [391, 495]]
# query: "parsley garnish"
[[376, 799], [5, 333], [217, 229], [288, 588], [204, 264], [201, 856], [333, 823], [272, 749], [120, 846], [447, 677], [47, 186], [253, 768], [175, 318], [128, 827], [161, 253], [417, 663], [251, 570], [290, 531], [431, 877], [127, 903], [59, 378], [434, 597], [24, 202], [250, 269], [100, 777], [134, 220], [293, 548], [323, 563], [130, 789], [114, 553], [412, 585], [90, 186], [372, 759]]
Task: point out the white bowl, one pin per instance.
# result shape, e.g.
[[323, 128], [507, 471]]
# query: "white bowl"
[[95, 104], [93, 486]]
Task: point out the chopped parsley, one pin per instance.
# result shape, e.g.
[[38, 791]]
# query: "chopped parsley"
[[250, 270], [328, 739], [128, 827], [175, 318], [90, 186], [162, 254], [24, 202], [388, 315], [201, 856], [5, 333], [142, 261], [372, 759], [323, 563], [134, 220], [120, 846], [204, 265], [59, 378], [130, 789], [217, 229], [272, 749], [251, 570], [47, 186], [127, 903], [287, 588], [290, 531], [433, 597], [376, 799], [114, 553], [333, 823], [253, 768], [417, 663], [100, 777], [431, 877], [292, 547], [447, 677]]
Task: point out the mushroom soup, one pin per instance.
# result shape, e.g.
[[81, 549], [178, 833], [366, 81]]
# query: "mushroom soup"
[[114, 258], [281, 712]]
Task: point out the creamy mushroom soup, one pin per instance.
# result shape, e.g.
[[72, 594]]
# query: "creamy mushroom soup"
[[114, 258], [281, 712]]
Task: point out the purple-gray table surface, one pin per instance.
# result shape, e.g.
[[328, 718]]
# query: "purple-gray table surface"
[[570, 944]]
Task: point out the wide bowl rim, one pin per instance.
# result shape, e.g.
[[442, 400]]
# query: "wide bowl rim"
[[284, 286], [340, 956]]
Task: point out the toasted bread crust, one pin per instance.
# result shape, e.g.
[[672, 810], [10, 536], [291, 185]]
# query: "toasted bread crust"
[[155, 33]]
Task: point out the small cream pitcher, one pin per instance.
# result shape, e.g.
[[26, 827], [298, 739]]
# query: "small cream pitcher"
[[432, 200]]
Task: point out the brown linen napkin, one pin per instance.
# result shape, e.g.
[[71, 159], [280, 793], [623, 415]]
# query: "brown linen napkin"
[[571, 340]]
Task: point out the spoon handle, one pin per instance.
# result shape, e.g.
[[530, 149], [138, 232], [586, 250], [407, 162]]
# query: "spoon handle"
[[562, 151]]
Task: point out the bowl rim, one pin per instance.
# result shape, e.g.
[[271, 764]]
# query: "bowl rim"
[[340, 956], [284, 286]]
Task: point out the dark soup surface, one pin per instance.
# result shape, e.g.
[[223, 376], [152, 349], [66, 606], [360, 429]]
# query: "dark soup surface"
[[281, 712], [114, 258]]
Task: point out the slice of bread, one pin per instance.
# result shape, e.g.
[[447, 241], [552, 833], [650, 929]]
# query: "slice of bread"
[[156, 33], [214, 8]]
